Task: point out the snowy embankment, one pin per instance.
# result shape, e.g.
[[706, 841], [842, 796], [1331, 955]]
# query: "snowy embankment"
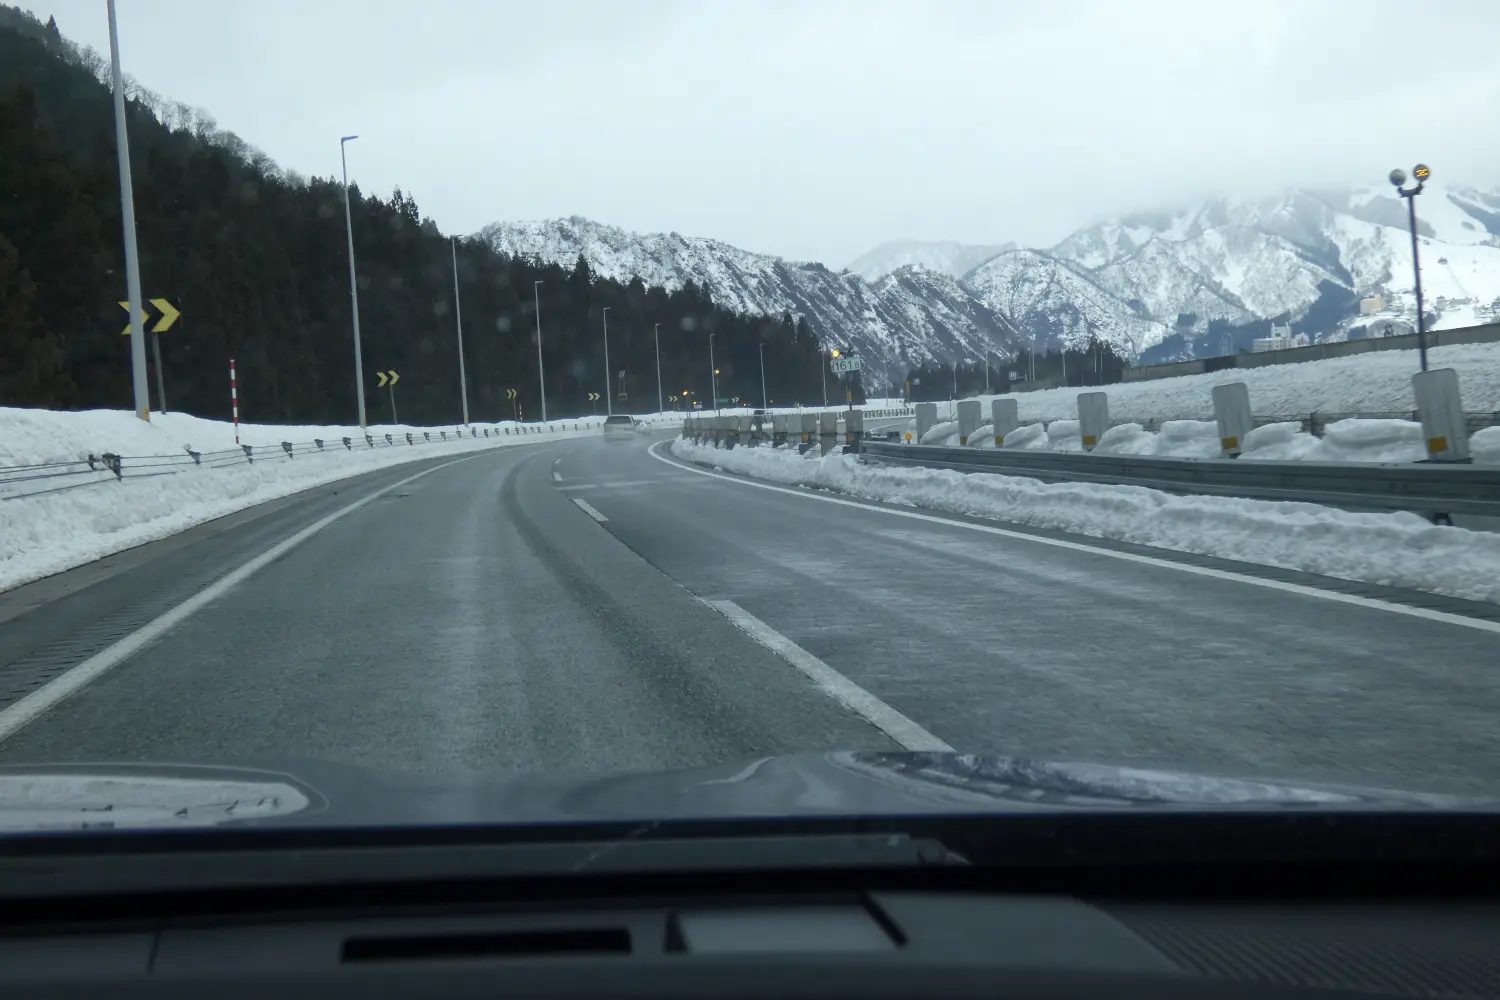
[[47, 533], [1398, 549], [1378, 382]]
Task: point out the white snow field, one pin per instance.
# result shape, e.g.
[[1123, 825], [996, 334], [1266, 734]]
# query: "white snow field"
[[48, 533], [1396, 549]]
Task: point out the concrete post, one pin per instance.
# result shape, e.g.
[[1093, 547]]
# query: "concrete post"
[[1232, 414], [778, 429], [1093, 417], [968, 420], [1441, 411], [1005, 416], [854, 430], [809, 421], [926, 417], [828, 430]]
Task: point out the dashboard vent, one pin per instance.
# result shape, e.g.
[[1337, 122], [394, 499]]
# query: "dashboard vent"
[[518, 944]]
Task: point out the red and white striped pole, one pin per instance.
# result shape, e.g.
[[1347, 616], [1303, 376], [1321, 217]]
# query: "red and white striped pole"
[[234, 400]]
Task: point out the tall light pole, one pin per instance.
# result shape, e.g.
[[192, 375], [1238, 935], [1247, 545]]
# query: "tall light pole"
[[763, 404], [660, 405], [609, 406], [458, 322], [823, 358], [1398, 177], [127, 218], [541, 374], [713, 373], [359, 363]]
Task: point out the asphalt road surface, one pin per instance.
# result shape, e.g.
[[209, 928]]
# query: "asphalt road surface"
[[583, 605]]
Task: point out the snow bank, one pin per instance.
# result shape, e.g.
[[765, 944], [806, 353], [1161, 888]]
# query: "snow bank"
[[1369, 441], [42, 535], [1396, 549], [1127, 439], [938, 434], [1028, 437], [1064, 435], [1280, 442], [1378, 382], [1484, 445]]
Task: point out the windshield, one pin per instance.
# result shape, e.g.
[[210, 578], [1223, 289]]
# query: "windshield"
[[525, 412]]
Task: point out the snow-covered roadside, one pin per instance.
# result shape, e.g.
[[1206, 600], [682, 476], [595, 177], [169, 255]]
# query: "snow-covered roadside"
[[42, 535], [1397, 549]]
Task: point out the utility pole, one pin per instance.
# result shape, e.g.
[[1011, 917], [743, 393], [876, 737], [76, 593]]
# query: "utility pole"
[[660, 405], [541, 374], [823, 358], [609, 393], [763, 375], [458, 322], [359, 364], [127, 218], [1398, 177], [713, 373]]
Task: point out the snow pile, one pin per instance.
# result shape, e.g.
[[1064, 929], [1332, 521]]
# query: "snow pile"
[[1126, 439], [1285, 441], [1484, 446], [942, 435], [1064, 435], [1378, 382], [1396, 549], [1369, 441], [1027, 437], [47, 534]]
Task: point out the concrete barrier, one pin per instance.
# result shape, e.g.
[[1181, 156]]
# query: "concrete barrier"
[[1093, 418], [809, 421], [968, 420], [1232, 414], [926, 417], [854, 430], [1444, 426], [778, 429], [1004, 417], [828, 430]]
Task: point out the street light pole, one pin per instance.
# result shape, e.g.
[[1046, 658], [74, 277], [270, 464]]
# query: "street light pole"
[[609, 406], [458, 322], [1398, 177], [359, 364], [763, 405], [127, 218], [541, 374], [713, 373], [660, 405]]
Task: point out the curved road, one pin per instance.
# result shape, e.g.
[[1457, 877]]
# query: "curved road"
[[584, 605]]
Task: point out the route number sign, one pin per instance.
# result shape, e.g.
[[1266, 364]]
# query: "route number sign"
[[843, 366]]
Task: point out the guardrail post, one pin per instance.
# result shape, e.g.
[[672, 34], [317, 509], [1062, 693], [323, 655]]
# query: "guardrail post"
[[1004, 418], [807, 422], [388, 439], [409, 439], [113, 464], [1444, 427], [286, 446], [443, 435], [195, 456], [854, 430], [348, 445], [926, 417], [1093, 417], [1232, 414], [968, 420], [369, 441], [248, 456], [828, 430]]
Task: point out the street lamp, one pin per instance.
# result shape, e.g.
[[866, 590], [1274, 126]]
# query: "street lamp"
[[609, 406], [763, 404], [541, 373], [660, 405], [1398, 177], [458, 322], [359, 364], [713, 377], [127, 219]]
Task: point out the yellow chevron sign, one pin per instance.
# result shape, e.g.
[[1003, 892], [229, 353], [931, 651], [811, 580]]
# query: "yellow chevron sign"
[[167, 314]]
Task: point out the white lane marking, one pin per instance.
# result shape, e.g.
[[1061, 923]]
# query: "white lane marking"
[[1371, 603], [588, 509], [608, 485], [43, 698], [832, 683], [556, 476]]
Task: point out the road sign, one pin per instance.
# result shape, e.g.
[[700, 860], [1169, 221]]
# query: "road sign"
[[1421, 172], [593, 397], [843, 366], [510, 394], [386, 379], [167, 314]]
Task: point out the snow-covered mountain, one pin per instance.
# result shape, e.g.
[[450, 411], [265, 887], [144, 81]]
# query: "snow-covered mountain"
[[1163, 284], [910, 316], [954, 259]]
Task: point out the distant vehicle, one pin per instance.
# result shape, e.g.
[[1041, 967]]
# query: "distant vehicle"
[[619, 427]]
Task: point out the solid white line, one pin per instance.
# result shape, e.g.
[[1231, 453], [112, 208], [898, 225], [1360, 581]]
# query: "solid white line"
[[1372, 603], [832, 683], [556, 476], [588, 509], [34, 704]]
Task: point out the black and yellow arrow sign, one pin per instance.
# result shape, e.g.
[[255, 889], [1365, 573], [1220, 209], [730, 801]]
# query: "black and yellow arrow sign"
[[593, 396], [510, 394], [167, 314], [386, 379]]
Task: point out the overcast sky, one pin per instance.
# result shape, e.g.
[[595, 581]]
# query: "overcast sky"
[[817, 130]]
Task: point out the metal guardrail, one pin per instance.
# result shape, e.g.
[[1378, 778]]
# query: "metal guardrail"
[[1432, 489]]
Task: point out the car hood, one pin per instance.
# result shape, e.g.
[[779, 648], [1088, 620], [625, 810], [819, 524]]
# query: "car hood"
[[849, 783]]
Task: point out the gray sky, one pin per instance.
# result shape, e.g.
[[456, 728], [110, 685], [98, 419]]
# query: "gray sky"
[[816, 130]]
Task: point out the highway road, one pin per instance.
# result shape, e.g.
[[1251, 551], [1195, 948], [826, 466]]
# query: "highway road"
[[585, 605]]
